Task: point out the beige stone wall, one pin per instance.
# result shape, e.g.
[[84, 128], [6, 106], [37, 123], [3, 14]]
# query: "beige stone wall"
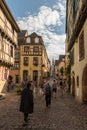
[[79, 66], [8, 40]]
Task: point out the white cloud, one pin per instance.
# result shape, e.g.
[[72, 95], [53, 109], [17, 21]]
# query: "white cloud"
[[61, 8], [41, 24]]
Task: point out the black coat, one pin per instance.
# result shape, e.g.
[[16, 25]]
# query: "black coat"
[[26, 104]]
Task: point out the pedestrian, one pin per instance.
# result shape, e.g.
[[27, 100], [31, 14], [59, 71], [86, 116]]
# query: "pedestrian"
[[61, 87], [9, 81], [54, 88], [32, 85], [48, 94], [23, 84], [26, 104]]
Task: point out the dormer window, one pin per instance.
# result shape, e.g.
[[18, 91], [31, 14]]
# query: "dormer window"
[[36, 40], [28, 40]]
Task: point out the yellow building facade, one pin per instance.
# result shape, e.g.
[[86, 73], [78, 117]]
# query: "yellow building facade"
[[76, 42], [34, 62]]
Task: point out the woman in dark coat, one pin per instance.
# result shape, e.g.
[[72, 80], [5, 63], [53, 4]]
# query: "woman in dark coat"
[[26, 104], [48, 94]]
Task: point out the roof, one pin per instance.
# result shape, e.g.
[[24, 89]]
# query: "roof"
[[61, 57], [34, 35], [22, 33]]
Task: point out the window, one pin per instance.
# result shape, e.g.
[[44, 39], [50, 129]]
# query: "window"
[[35, 75], [72, 57], [28, 40], [35, 61], [74, 9], [76, 4], [25, 75], [17, 55], [36, 49], [26, 48], [0, 42], [36, 40], [81, 46], [68, 25], [5, 73], [77, 81], [16, 78], [11, 51], [26, 61]]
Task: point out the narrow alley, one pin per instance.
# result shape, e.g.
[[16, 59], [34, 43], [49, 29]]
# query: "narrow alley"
[[64, 114]]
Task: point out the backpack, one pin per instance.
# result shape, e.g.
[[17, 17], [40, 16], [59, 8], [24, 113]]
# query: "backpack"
[[61, 83], [48, 90]]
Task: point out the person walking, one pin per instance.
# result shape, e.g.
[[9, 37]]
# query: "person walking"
[[54, 88], [61, 87], [48, 94], [26, 103], [23, 84]]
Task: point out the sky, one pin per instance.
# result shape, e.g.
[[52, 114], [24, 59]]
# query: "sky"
[[46, 18]]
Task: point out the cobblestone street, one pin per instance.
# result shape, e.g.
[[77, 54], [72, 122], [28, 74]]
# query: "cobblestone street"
[[64, 114]]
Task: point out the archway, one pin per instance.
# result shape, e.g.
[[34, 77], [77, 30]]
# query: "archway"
[[84, 84]]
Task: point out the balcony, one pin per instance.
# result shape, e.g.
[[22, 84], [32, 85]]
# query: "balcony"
[[5, 30], [5, 59]]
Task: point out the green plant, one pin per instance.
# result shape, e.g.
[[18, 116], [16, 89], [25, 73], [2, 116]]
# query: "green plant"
[[62, 71], [19, 90], [68, 74]]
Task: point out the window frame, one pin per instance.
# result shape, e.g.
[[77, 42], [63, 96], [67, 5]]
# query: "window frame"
[[36, 40], [36, 49], [35, 61], [26, 48], [26, 61]]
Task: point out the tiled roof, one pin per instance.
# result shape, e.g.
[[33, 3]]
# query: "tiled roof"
[[34, 35], [22, 33]]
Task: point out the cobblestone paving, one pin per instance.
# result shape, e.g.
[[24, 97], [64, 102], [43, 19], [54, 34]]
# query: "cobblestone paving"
[[64, 114]]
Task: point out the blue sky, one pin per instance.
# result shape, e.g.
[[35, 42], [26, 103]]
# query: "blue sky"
[[46, 18]]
